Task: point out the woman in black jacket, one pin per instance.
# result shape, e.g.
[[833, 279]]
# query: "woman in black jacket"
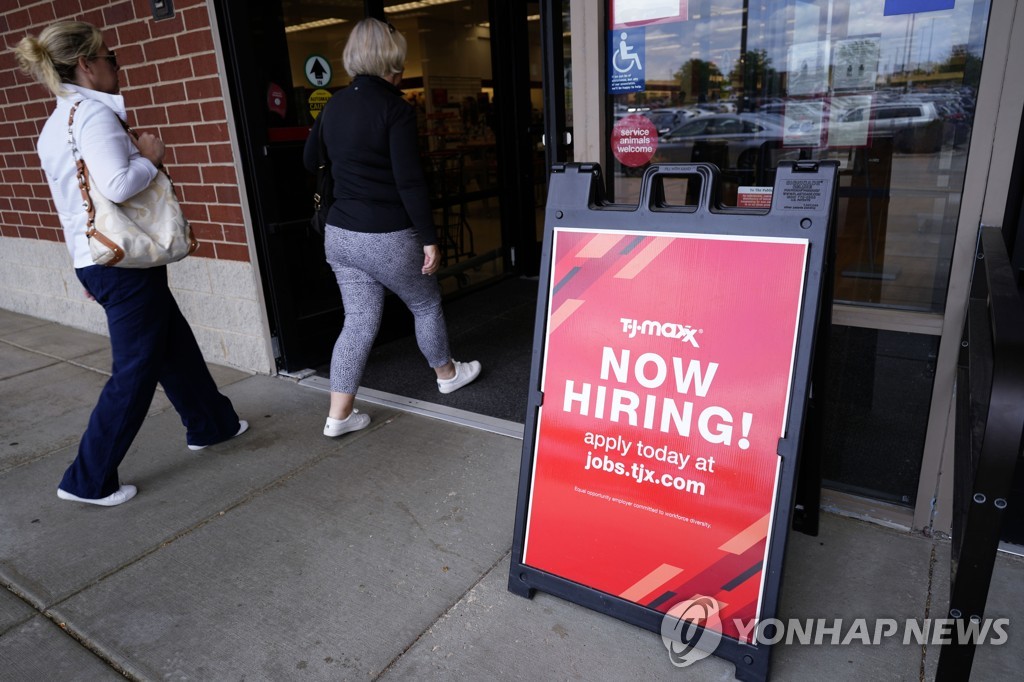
[[380, 232]]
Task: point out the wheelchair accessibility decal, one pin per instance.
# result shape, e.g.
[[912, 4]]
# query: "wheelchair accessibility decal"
[[625, 67]]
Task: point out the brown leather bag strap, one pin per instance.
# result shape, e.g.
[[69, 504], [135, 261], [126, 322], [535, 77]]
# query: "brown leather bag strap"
[[83, 170], [127, 128], [114, 248], [131, 131], [82, 173]]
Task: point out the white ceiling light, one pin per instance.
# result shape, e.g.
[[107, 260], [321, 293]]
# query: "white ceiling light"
[[532, 17], [419, 4], [319, 23]]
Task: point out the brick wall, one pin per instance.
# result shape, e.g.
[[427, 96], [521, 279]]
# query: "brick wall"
[[171, 89]]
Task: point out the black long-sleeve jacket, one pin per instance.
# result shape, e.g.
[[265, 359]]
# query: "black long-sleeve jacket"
[[372, 141]]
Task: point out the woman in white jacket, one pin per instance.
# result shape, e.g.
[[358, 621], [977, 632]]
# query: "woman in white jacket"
[[150, 340]]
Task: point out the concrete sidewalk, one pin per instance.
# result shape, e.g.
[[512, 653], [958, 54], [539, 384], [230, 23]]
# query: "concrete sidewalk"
[[382, 555]]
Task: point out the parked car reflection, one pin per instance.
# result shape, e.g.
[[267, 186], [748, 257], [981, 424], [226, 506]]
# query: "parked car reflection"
[[667, 119], [731, 141], [915, 126]]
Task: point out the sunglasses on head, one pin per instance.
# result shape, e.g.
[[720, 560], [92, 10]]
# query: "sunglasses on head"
[[110, 55]]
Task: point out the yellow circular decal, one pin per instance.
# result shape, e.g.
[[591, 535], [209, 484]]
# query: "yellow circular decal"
[[317, 100]]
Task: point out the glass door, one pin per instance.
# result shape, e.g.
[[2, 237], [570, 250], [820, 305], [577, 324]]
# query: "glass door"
[[284, 63], [448, 81], [887, 89]]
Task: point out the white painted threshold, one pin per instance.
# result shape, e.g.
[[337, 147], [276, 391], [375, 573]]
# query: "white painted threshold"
[[444, 413]]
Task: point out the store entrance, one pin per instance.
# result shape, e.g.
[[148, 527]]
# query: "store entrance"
[[480, 146]]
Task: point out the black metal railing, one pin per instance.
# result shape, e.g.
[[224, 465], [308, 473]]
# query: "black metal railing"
[[989, 426]]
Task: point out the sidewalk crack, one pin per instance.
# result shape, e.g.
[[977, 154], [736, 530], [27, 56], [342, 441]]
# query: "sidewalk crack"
[[458, 600]]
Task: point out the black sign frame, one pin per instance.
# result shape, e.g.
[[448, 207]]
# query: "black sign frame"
[[803, 206]]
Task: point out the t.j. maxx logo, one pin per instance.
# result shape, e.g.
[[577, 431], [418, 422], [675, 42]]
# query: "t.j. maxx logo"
[[669, 330]]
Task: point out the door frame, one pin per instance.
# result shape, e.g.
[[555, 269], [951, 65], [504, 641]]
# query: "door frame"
[[556, 131], [248, 67], [245, 84], [997, 124], [510, 71]]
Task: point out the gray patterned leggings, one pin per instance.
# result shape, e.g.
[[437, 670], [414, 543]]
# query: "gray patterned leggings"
[[364, 264]]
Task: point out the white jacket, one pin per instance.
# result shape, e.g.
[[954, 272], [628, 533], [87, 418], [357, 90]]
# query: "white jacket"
[[116, 168]]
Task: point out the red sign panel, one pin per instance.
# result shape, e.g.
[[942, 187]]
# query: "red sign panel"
[[666, 378]]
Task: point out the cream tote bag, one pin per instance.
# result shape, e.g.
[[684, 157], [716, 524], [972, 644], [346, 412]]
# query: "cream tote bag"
[[144, 231]]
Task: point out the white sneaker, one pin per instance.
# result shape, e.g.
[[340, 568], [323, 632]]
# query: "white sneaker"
[[243, 426], [339, 427], [120, 496], [465, 373]]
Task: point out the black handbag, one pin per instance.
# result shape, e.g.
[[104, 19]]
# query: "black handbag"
[[323, 195]]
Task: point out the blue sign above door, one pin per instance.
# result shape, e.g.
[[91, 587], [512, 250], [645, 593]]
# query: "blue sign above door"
[[913, 6]]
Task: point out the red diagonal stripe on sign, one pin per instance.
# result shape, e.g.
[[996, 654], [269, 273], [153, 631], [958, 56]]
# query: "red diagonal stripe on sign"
[[650, 582], [593, 268], [643, 258]]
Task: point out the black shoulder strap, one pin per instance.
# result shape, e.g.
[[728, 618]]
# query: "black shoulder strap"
[[323, 160]]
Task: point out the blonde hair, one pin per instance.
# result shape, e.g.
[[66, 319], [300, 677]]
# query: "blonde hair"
[[374, 48], [52, 58]]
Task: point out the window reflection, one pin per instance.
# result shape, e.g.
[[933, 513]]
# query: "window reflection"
[[890, 97]]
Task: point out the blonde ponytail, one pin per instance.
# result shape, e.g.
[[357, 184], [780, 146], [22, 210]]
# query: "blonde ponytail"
[[51, 59]]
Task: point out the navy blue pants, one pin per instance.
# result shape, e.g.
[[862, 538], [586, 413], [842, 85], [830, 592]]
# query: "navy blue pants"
[[151, 342]]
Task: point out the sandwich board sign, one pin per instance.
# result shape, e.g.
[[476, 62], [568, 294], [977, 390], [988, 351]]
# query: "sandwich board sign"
[[669, 384]]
